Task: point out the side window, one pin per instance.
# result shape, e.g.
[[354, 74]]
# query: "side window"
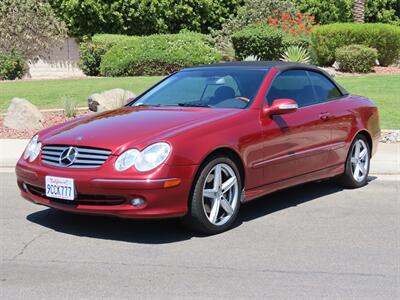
[[323, 87], [292, 84]]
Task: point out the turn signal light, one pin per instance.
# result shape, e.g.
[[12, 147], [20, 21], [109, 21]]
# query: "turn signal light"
[[172, 183]]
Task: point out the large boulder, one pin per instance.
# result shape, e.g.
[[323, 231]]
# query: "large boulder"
[[22, 114], [109, 100]]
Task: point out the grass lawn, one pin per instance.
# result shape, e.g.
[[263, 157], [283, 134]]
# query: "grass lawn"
[[51, 93], [384, 90]]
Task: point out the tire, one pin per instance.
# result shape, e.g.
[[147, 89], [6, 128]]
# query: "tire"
[[353, 177], [208, 211]]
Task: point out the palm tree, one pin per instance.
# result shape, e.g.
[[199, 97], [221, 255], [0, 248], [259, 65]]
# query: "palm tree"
[[358, 11]]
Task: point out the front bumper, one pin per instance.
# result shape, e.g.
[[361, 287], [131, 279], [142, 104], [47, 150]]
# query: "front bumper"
[[103, 191]]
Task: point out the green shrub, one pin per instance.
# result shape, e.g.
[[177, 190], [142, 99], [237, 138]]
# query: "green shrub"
[[92, 50], [356, 58], [142, 17], [264, 42], [328, 11], [252, 11], [12, 66], [385, 11], [385, 38], [157, 55]]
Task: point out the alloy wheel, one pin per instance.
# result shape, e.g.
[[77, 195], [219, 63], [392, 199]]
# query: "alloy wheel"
[[359, 160], [220, 194]]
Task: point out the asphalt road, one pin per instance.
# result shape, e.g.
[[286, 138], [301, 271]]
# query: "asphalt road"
[[310, 242]]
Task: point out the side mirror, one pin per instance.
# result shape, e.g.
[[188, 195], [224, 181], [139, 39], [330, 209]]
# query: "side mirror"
[[280, 107]]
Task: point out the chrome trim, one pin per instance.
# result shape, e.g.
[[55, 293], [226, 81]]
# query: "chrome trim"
[[288, 106], [133, 180], [307, 152], [85, 157]]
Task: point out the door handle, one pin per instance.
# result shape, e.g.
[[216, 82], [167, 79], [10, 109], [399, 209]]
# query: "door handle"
[[325, 116]]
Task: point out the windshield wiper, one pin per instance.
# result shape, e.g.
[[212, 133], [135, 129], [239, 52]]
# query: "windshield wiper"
[[145, 105], [187, 104]]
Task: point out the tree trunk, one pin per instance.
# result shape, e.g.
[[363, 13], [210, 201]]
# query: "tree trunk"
[[358, 11]]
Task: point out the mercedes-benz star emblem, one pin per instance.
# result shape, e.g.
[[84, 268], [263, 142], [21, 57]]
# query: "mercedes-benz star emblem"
[[68, 156]]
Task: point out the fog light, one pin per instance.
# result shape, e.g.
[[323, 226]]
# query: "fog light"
[[137, 202], [25, 187]]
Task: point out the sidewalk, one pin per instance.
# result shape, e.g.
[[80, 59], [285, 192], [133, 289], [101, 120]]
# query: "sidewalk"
[[386, 161]]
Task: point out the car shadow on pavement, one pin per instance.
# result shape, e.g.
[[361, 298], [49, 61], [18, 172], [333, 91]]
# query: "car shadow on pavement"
[[169, 231]]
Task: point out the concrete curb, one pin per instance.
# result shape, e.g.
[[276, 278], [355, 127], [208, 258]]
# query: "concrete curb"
[[385, 162]]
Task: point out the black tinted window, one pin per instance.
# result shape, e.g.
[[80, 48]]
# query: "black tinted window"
[[324, 88], [292, 84]]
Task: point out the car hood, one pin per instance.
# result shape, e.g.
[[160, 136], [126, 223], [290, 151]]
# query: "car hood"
[[131, 126]]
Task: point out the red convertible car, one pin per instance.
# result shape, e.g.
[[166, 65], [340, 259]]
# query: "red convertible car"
[[203, 141]]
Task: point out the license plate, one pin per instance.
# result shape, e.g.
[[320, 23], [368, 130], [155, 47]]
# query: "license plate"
[[61, 188]]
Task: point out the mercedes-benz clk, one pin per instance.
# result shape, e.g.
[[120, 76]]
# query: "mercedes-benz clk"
[[203, 141]]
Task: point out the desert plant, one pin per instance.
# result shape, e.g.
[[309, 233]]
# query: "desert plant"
[[12, 66], [70, 106], [356, 58], [251, 58], [29, 26], [296, 54]]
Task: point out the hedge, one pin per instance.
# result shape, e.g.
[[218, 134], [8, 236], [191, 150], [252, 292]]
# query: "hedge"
[[264, 42], [385, 38], [12, 66], [92, 50], [142, 17], [328, 11], [158, 55], [356, 58]]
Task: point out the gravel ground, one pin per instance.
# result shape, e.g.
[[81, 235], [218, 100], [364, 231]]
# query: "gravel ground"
[[377, 71]]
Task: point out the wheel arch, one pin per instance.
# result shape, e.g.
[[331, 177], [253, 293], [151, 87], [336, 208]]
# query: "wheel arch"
[[368, 137], [228, 152]]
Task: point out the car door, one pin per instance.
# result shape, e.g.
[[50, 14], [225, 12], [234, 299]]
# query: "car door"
[[335, 114], [295, 143]]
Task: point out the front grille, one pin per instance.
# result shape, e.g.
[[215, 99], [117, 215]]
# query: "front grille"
[[85, 157], [81, 199]]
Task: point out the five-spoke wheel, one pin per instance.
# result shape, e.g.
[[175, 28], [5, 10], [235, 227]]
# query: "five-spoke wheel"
[[220, 194], [215, 198], [357, 163], [359, 160]]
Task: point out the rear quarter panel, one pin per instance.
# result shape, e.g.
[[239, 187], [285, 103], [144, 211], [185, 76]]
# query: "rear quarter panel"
[[353, 114]]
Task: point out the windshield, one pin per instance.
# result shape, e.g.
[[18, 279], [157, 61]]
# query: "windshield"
[[225, 88]]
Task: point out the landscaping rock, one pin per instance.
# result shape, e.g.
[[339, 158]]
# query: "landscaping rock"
[[22, 115], [391, 137], [109, 100]]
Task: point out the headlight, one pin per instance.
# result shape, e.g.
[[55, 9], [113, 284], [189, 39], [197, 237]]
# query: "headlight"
[[153, 156], [33, 149], [146, 160], [126, 160]]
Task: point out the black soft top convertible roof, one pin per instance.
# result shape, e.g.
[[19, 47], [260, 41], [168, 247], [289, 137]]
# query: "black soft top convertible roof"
[[280, 65]]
